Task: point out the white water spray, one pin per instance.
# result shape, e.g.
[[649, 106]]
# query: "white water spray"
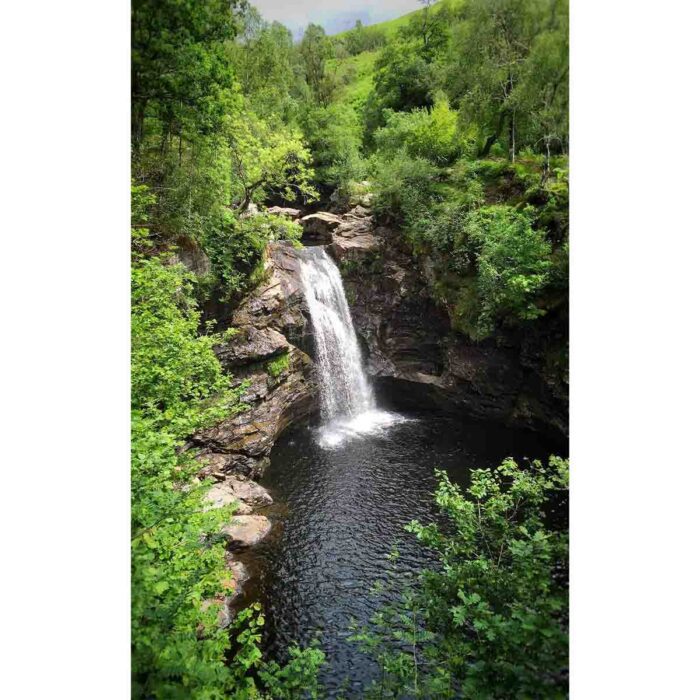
[[348, 407]]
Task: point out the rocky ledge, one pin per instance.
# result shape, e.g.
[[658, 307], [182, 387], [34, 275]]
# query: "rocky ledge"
[[246, 529]]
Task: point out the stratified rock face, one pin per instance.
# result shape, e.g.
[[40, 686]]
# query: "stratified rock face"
[[354, 239], [414, 354], [268, 355]]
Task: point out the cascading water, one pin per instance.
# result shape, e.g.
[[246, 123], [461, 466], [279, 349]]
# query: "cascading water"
[[348, 407]]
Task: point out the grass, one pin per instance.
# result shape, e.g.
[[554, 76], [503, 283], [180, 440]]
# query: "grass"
[[355, 73], [277, 365]]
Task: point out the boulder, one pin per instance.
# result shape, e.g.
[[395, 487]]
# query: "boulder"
[[355, 238], [319, 227], [247, 530], [285, 211], [245, 492], [249, 492], [221, 495], [249, 345]]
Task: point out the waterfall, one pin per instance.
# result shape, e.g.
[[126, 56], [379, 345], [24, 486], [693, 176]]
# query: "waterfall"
[[348, 407]]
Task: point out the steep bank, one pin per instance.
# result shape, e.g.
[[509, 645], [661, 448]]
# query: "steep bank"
[[268, 350]]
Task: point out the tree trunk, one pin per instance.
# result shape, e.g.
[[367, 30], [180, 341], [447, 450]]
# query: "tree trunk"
[[493, 138], [138, 115]]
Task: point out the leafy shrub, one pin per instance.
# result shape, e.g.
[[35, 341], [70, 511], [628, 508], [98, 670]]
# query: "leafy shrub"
[[177, 555], [493, 265], [177, 386], [491, 620], [403, 186], [277, 365], [236, 245], [426, 133], [514, 265], [334, 136]]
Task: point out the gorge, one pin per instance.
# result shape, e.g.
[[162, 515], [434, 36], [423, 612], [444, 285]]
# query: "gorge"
[[347, 469], [349, 262]]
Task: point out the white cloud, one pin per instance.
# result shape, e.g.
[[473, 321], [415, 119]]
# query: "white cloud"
[[333, 15]]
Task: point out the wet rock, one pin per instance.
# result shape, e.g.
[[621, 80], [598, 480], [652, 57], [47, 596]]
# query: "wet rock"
[[249, 492], [415, 357], [242, 443], [271, 321], [237, 577], [247, 530], [246, 493]]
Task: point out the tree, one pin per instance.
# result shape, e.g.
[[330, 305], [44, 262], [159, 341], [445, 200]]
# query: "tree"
[[403, 80], [267, 159], [361, 38], [430, 27], [315, 49], [485, 67], [178, 63], [268, 67]]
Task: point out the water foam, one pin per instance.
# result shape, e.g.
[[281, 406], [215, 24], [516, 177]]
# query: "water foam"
[[348, 406]]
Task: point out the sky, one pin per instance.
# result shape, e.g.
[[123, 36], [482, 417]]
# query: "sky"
[[333, 15]]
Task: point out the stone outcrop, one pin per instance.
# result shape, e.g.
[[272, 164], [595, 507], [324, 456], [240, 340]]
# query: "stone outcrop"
[[267, 354], [246, 493], [289, 212], [416, 358], [319, 227], [355, 237], [247, 530]]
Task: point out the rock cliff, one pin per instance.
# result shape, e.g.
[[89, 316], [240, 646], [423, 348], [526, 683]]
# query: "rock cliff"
[[416, 358], [268, 354]]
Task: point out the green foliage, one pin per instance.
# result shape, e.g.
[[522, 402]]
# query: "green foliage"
[[277, 365], [430, 134], [334, 135], [298, 678], [179, 70], [361, 38], [315, 50], [403, 80], [236, 247], [491, 620], [178, 574], [267, 159], [177, 387], [513, 266], [507, 66], [403, 186], [268, 67]]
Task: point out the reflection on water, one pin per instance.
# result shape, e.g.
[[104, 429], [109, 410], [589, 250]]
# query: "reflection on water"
[[342, 507]]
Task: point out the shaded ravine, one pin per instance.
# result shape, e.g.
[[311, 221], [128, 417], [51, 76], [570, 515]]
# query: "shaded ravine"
[[346, 487]]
